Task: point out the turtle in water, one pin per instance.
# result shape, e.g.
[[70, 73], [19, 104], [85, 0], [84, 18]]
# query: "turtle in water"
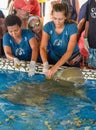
[[36, 94], [70, 76]]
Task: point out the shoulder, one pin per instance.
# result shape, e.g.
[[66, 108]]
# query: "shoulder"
[[25, 30], [49, 25], [71, 28], [71, 25], [27, 34], [74, 26], [6, 35], [7, 39]]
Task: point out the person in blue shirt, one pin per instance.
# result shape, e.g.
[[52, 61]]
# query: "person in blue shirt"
[[60, 38], [19, 44]]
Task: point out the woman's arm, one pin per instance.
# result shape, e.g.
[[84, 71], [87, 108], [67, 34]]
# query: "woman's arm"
[[34, 46], [34, 55], [65, 57], [71, 45], [81, 26], [43, 46], [8, 52], [86, 29]]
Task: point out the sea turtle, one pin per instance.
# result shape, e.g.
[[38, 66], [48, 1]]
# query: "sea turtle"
[[35, 94], [69, 76]]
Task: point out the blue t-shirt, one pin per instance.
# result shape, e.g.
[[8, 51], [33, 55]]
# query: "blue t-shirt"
[[58, 43], [23, 50]]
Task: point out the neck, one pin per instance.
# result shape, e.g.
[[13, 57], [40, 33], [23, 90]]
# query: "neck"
[[25, 23], [18, 39]]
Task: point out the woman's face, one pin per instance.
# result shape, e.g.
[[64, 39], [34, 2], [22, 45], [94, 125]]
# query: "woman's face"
[[58, 18], [35, 25], [22, 13], [14, 31]]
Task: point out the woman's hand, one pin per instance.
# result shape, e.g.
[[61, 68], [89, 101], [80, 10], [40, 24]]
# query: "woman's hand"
[[51, 72], [16, 62], [32, 67], [45, 67]]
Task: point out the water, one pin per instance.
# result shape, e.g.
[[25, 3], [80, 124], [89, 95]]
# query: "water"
[[72, 109]]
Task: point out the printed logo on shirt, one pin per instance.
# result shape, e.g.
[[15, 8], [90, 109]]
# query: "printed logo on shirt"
[[50, 32], [93, 13], [66, 33], [25, 39], [19, 52], [10, 41], [57, 42]]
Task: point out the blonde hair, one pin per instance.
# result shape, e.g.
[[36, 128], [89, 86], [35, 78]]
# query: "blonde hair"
[[33, 17]]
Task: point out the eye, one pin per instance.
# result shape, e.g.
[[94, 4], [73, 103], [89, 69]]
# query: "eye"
[[37, 24], [34, 25]]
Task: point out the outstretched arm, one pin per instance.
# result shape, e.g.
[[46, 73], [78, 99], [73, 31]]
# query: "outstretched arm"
[[34, 46], [65, 57], [8, 52], [86, 28], [43, 47]]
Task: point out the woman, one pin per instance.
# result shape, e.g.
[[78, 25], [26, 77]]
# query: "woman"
[[19, 44], [35, 24], [60, 35], [73, 6]]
